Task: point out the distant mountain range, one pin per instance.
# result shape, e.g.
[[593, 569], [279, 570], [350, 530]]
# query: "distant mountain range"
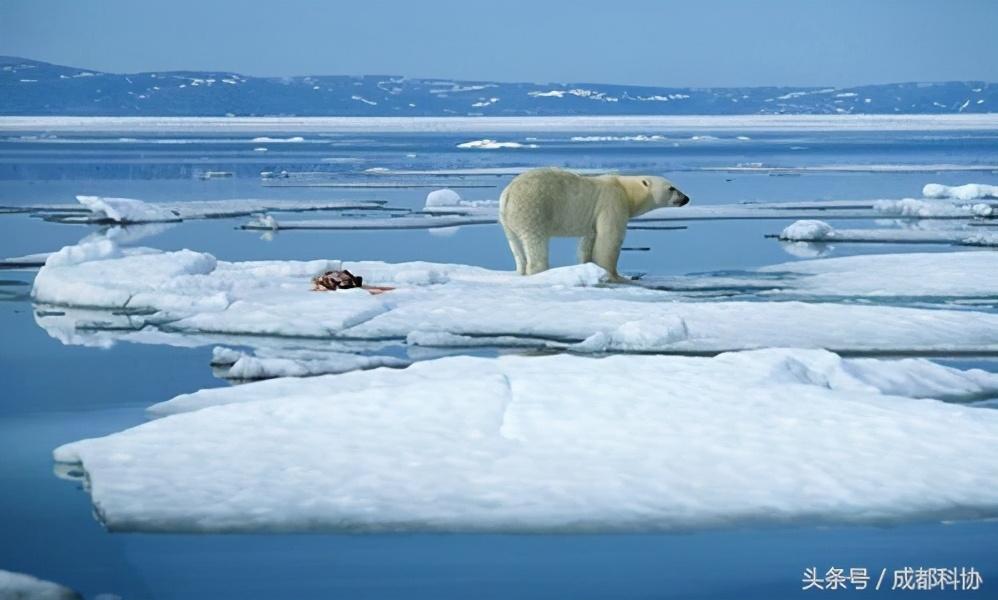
[[29, 87]]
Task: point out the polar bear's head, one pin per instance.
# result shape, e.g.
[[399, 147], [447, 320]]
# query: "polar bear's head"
[[663, 192]]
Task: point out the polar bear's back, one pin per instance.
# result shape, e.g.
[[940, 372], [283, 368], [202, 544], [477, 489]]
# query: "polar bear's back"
[[552, 201]]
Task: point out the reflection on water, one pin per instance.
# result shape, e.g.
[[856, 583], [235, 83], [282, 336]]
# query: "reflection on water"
[[63, 384]]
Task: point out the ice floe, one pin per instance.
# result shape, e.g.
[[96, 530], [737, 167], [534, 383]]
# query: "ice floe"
[[927, 209], [124, 211], [619, 138], [853, 168], [27, 261], [917, 276], [192, 292], [18, 586], [969, 191], [268, 222], [828, 209], [273, 140], [775, 436], [819, 231], [488, 144], [447, 201]]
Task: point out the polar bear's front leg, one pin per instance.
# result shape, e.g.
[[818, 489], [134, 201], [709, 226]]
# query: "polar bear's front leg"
[[586, 248], [609, 238], [536, 249]]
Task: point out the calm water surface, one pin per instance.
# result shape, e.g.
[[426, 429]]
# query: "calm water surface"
[[55, 393]]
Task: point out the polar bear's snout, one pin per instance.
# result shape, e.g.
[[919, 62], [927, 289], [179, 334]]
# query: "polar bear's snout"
[[679, 198]]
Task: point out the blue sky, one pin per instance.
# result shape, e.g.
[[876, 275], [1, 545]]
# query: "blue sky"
[[691, 43]]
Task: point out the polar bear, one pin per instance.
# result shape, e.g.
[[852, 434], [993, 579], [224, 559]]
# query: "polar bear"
[[543, 203]]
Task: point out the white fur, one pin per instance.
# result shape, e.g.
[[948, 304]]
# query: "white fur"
[[544, 203]]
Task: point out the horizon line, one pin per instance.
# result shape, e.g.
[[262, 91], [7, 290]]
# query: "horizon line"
[[453, 79]]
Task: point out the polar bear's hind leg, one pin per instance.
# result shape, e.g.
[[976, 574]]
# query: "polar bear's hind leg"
[[536, 249], [516, 246]]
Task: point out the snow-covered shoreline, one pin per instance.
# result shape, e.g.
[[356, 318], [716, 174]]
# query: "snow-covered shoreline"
[[617, 124]]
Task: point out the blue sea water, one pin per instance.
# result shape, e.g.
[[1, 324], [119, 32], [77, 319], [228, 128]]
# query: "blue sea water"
[[55, 393]]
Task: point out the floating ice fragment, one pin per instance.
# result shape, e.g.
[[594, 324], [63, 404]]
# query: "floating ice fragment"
[[487, 144], [806, 230], [444, 197], [126, 210], [970, 191], [819, 231], [248, 367], [263, 222], [913, 207], [18, 586]]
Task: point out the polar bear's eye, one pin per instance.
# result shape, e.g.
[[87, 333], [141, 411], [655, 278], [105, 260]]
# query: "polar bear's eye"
[[644, 182]]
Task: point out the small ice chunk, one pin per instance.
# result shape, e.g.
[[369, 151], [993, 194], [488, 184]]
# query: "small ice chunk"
[[985, 238], [254, 367], [127, 210], [487, 144], [221, 355], [807, 230], [447, 201], [637, 336], [982, 210], [444, 197], [263, 222]]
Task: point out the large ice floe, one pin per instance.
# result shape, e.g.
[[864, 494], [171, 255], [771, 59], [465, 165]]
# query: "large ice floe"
[[559, 443], [570, 307]]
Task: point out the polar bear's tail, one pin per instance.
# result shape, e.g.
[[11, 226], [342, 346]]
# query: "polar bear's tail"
[[502, 204]]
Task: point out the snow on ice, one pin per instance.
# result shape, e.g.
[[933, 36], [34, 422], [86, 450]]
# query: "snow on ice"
[[126, 210], [920, 277], [970, 191], [192, 292], [927, 209], [264, 363], [552, 444]]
